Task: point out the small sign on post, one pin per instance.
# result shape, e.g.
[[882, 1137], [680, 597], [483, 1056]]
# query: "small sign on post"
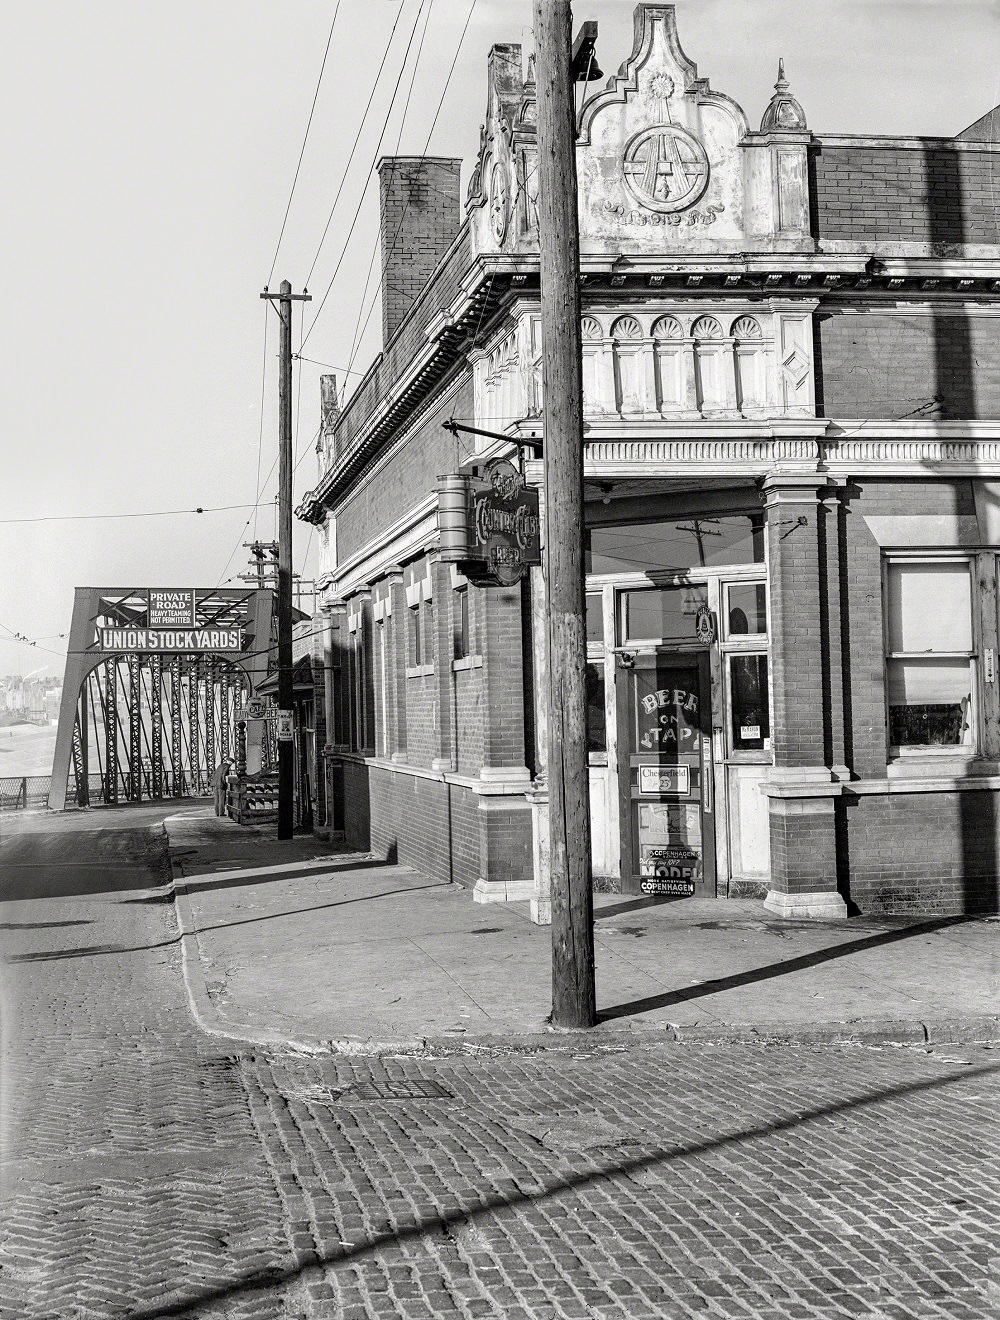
[[286, 724]]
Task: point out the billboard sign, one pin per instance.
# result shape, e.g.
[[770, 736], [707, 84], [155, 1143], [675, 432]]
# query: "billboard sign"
[[169, 608], [195, 640]]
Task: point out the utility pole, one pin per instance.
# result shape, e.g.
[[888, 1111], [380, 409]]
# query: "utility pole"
[[573, 994], [284, 299]]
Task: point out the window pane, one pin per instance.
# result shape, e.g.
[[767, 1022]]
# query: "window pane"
[[929, 607], [662, 613], [929, 703], [747, 608], [595, 618], [750, 703], [676, 546], [461, 620], [597, 734]]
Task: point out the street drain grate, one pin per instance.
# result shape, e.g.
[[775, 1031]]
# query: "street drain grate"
[[399, 1089]]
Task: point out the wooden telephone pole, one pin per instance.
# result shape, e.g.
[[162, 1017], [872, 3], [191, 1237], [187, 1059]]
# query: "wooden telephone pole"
[[573, 994], [286, 754]]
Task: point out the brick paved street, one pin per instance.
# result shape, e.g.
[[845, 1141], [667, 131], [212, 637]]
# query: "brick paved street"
[[151, 1171]]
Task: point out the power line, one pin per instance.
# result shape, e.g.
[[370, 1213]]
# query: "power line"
[[305, 139], [260, 437], [347, 371], [152, 513], [359, 334], [382, 209], [361, 197], [354, 147]]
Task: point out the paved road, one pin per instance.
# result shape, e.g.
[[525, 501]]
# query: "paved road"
[[151, 1171]]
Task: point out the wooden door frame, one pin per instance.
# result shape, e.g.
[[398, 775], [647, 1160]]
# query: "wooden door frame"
[[699, 659]]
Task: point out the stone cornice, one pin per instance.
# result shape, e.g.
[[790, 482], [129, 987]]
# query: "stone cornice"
[[906, 143]]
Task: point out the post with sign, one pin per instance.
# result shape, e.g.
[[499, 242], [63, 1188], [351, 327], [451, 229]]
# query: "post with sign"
[[284, 299], [573, 993]]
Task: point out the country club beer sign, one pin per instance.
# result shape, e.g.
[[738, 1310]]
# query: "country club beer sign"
[[171, 625], [488, 523]]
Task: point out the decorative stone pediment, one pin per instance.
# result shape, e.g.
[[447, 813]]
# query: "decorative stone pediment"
[[500, 205], [665, 165]]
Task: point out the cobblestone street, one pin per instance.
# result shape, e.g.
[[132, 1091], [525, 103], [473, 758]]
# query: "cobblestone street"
[[152, 1171]]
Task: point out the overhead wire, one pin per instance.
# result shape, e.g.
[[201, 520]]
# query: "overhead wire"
[[146, 513], [354, 146], [384, 204], [260, 438], [359, 333], [305, 139], [363, 191]]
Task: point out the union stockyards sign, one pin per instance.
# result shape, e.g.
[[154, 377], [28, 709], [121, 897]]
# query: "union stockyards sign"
[[503, 523], [170, 625]]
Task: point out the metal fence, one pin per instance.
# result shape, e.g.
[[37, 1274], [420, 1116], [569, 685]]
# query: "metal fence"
[[23, 792], [18, 792]]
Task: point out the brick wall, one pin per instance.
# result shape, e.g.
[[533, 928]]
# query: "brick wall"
[[803, 844], [470, 714], [422, 714], [930, 194], [420, 216], [904, 364], [409, 477], [923, 852], [445, 831]]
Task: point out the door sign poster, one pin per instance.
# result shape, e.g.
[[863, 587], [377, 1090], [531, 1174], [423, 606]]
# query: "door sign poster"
[[671, 869], [665, 779]]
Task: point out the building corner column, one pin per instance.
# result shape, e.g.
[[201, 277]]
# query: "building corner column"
[[802, 787]]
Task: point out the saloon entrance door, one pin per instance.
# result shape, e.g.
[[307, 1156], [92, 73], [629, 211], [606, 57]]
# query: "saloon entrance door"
[[665, 775]]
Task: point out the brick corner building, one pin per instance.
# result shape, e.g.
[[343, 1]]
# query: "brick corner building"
[[791, 367]]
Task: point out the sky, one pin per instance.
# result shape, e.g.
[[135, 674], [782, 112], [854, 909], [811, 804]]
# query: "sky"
[[149, 151]]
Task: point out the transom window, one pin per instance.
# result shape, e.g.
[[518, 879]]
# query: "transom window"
[[677, 546]]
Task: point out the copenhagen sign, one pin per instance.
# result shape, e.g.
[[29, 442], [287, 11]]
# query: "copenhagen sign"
[[489, 524]]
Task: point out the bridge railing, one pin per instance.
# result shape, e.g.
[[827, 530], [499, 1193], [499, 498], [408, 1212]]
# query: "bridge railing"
[[20, 792]]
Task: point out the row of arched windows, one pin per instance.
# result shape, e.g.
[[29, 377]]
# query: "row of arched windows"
[[669, 328]]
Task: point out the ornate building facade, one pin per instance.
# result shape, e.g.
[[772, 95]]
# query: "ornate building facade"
[[791, 366]]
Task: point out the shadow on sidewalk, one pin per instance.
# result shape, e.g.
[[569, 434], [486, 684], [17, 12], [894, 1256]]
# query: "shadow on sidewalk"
[[55, 954], [774, 969], [434, 1220], [230, 878]]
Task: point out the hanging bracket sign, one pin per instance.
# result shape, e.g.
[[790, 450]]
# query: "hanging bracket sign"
[[490, 524]]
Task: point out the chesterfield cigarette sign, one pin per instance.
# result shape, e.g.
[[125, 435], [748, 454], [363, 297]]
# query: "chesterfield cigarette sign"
[[504, 525]]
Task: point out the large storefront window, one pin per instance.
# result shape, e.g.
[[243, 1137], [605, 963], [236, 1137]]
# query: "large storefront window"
[[677, 546], [664, 615], [929, 653]]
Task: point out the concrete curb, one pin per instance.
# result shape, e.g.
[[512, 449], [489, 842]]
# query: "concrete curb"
[[971, 1029]]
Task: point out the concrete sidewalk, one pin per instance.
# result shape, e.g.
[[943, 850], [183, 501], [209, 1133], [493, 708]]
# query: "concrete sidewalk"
[[294, 943]]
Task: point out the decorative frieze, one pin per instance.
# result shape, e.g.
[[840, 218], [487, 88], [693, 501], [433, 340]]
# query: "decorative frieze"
[[681, 363]]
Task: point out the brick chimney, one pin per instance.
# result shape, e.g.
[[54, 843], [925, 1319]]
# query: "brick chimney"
[[420, 216]]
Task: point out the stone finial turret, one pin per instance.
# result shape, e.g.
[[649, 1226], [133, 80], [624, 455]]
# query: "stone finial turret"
[[784, 113]]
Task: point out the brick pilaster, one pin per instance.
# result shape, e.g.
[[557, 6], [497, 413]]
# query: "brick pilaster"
[[801, 788], [444, 674], [396, 661]]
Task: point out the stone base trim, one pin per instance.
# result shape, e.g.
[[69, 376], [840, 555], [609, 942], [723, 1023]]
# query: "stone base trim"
[[821, 904], [503, 891]]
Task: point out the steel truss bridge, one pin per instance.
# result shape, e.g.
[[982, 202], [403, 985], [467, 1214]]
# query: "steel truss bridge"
[[142, 722]]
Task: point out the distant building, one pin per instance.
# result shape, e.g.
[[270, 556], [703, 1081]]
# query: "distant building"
[[791, 372]]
